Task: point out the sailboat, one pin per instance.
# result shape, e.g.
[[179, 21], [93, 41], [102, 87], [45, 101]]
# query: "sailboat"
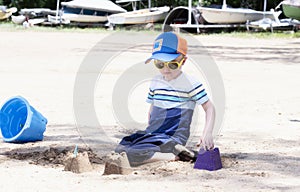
[[142, 16], [89, 11], [271, 24], [227, 15]]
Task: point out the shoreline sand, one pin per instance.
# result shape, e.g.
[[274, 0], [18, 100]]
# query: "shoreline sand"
[[259, 138]]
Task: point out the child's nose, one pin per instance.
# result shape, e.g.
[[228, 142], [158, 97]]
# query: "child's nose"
[[166, 68]]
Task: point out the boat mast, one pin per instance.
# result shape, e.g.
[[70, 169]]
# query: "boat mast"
[[190, 13], [200, 3], [57, 7], [224, 6], [265, 7], [133, 5]]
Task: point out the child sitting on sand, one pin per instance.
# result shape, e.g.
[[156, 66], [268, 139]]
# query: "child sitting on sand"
[[172, 95]]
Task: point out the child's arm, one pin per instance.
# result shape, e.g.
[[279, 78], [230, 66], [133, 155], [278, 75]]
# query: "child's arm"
[[207, 139]]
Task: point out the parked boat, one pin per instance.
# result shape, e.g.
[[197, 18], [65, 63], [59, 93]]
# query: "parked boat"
[[270, 24], [36, 21], [6, 12], [149, 15], [89, 11], [227, 15], [35, 12], [18, 19], [291, 9], [58, 20]]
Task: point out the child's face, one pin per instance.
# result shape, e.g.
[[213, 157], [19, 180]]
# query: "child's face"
[[168, 72]]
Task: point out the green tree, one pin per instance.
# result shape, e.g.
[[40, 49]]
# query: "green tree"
[[253, 4], [20, 4]]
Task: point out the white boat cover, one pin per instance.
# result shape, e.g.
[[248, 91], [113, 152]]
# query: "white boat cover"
[[2, 8], [292, 2], [99, 5]]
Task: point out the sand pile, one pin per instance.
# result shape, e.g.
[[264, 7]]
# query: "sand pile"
[[117, 164], [78, 164], [58, 156]]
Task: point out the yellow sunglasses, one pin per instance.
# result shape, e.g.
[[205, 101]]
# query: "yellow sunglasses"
[[170, 64]]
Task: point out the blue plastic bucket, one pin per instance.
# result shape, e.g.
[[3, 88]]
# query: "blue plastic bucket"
[[20, 122]]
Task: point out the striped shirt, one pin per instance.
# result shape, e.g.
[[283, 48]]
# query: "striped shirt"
[[182, 92]]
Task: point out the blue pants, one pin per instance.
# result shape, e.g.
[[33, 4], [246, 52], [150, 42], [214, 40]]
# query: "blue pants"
[[167, 127]]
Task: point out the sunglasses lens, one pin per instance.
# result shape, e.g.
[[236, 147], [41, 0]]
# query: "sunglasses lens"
[[173, 65], [159, 65]]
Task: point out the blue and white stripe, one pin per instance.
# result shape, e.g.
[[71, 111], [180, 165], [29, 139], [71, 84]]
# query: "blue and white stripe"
[[177, 94]]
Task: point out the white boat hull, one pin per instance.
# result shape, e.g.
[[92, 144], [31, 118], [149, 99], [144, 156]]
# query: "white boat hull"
[[36, 21], [18, 19], [267, 23], [57, 20], [233, 15], [84, 18], [96, 5], [140, 16], [89, 11]]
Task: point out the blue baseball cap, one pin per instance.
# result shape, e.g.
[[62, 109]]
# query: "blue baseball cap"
[[167, 47]]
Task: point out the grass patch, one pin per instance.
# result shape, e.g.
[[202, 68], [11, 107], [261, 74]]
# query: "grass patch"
[[9, 26], [276, 34], [241, 33]]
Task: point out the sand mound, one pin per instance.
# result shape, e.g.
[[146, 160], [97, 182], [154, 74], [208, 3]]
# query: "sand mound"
[[117, 164], [53, 156], [78, 164]]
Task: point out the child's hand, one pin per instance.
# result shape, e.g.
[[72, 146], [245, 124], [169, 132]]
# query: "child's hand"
[[206, 141]]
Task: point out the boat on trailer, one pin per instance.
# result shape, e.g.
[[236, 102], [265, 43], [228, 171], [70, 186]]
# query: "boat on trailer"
[[226, 15], [141, 16], [89, 11]]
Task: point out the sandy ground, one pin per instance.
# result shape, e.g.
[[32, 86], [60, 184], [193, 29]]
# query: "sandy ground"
[[259, 138]]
